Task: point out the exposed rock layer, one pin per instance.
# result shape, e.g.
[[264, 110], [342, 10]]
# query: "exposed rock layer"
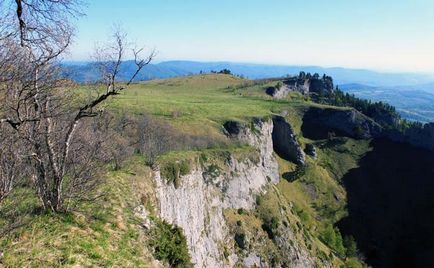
[[420, 137], [197, 204], [284, 142], [319, 123]]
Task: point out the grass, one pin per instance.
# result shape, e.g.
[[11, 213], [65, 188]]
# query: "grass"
[[106, 232], [216, 156], [317, 197], [200, 104], [341, 154], [101, 233], [309, 206]]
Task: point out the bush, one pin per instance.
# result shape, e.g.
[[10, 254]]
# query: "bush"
[[225, 71], [352, 263], [169, 244], [279, 84], [240, 239], [304, 216], [333, 238], [350, 246], [270, 226], [173, 170], [259, 200]]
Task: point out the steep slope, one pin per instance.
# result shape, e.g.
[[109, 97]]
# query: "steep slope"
[[247, 181], [390, 205], [213, 186], [103, 232]]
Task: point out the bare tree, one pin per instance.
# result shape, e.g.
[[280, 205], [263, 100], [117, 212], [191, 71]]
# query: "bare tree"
[[41, 110], [10, 162]]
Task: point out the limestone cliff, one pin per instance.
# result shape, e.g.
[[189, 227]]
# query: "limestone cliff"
[[303, 84], [197, 205]]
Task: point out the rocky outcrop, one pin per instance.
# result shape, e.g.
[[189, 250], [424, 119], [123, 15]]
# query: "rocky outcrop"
[[303, 84], [320, 123], [298, 84], [279, 92], [311, 151], [198, 203], [284, 142], [323, 86], [419, 136]]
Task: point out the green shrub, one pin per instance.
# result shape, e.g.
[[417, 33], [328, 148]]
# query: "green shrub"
[[279, 84], [169, 244], [350, 246], [240, 239], [270, 226], [173, 170], [304, 216], [333, 238], [213, 171], [352, 263], [259, 200]]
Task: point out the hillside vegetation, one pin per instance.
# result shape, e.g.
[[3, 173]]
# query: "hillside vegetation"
[[108, 231]]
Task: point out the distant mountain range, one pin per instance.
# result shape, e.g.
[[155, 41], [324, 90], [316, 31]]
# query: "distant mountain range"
[[83, 71], [411, 93]]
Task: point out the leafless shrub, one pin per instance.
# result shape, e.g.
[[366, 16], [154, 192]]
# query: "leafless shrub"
[[155, 137], [10, 162], [38, 107]]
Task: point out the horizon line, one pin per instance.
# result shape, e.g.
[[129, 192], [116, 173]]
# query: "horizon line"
[[380, 71]]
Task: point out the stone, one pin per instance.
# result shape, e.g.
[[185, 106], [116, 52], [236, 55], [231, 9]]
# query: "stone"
[[279, 92], [311, 150], [284, 142], [141, 213], [197, 206], [318, 123]]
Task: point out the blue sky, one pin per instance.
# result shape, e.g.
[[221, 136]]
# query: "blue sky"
[[392, 35]]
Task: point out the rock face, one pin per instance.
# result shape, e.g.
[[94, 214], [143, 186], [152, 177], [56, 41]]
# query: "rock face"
[[323, 85], [303, 84], [422, 137], [284, 142], [298, 84], [197, 204], [279, 91], [318, 123]]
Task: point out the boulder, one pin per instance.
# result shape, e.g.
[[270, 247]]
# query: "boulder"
[[311, 151], [284, 142], [279, 91]]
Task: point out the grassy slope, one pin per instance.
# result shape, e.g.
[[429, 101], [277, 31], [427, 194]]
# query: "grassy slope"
[[201, 104], [106, 233], [100, 233]]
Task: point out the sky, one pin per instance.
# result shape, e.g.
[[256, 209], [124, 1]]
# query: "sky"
[[386, 35]]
